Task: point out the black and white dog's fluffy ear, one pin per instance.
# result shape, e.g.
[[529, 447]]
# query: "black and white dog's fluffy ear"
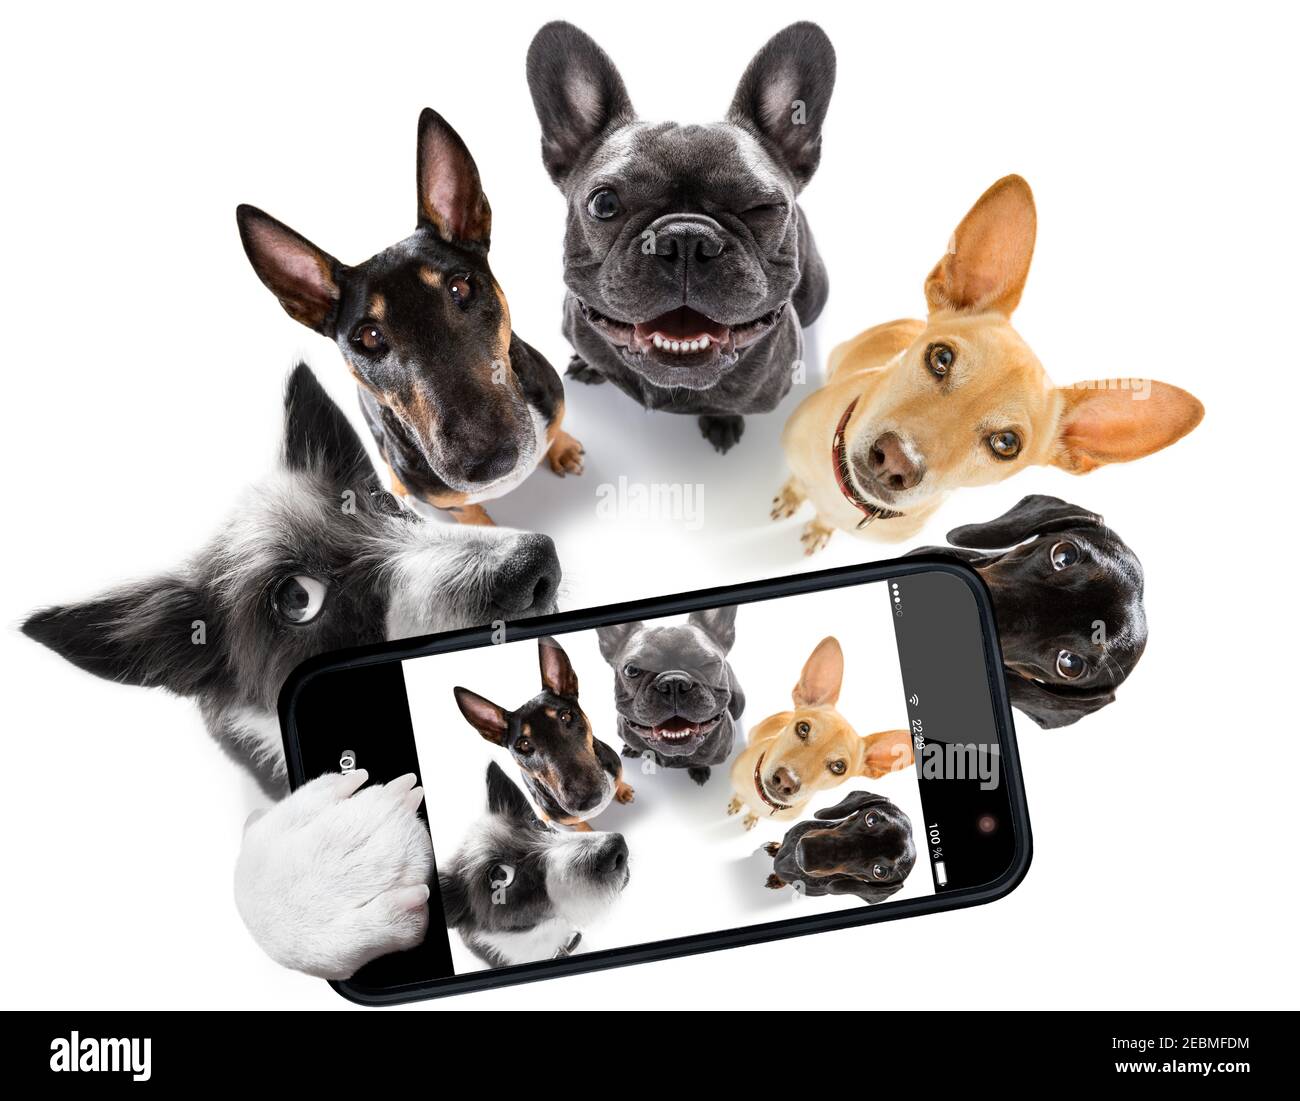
[[718, 623], [612, 638], [1037, 514], [455, 900], [855, 802], [317, 436], [577, 93], [303, 277], [784, 95], [156, 634], [505, 798]]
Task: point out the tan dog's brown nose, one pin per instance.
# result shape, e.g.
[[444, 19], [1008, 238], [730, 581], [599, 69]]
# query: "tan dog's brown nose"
[[891, 465], [784, 782]]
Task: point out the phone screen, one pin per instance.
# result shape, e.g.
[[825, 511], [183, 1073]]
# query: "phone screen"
[[804, 759]]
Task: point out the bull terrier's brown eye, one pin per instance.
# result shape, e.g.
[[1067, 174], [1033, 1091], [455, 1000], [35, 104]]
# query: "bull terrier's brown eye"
[[604, 204], [370, 337], [523, 747], [1005, 445], [1070, 665], [802, 729], [940, 358], [566, 716], [461, 291]]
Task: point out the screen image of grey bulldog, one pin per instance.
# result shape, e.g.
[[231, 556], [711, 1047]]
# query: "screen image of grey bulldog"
[[689, 265], [676, 694]]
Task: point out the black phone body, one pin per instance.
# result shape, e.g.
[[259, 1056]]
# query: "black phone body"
[[962, 792]]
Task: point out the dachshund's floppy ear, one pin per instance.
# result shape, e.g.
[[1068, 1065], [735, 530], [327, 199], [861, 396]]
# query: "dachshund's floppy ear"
[[557, 672], [865, 889], [611, 638], [1036, 514], [851, 804], [483, 715], [1052, 706]]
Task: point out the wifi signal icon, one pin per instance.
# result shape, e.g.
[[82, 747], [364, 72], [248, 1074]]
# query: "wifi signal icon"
[[914, 699]]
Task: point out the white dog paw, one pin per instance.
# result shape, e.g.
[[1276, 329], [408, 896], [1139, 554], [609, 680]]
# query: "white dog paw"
[[333, 877]]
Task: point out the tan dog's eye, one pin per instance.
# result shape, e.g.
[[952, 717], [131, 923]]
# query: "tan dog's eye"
[[1005, 445], [523, 747], [838, 768], [940, 358], [803, 730], [461, 291]]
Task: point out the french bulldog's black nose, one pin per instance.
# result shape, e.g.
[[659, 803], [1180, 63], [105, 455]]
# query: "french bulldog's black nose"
[[613, 855], [692, 238], [891, 465], [674, 684], [785, 782], [529, 576]]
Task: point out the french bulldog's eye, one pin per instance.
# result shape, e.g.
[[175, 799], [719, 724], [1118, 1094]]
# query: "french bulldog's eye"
[[461, 290], [802, 729], [940, 358], [878, 871], [524, 747], [1064, 554], [369, 337], [838, 768], [631, 672], [566, 717], [299, 599], [604, 204], [1005, 445], [1070, 665]]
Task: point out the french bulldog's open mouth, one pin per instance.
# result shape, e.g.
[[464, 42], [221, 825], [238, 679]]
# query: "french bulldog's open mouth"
[[844, 477], [678, 734], [682, 337]]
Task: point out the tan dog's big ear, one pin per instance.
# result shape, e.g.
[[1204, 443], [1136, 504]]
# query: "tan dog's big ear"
[[557, 672], [483, 715], [988, 257], [451, 197], [885, 752], [1118, 420], [822, 675]]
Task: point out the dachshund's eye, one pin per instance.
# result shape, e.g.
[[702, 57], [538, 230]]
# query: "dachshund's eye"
[[369, 337], [1005, 445], [838, 768], [878, 871], [461, 290], [1064, 554], [631, 672], [1070, 665], [604, 204], [940, 358], [871, 820], [299, 599], [803, 730], [524, 747], [566, 716]]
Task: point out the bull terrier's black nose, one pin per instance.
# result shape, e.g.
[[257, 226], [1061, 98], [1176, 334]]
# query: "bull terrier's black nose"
[[496, 465], [529, 576], [891, 465], [784, 782]]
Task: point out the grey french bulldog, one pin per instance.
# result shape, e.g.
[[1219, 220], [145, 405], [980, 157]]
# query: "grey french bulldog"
[[690, 268], [676, 694]]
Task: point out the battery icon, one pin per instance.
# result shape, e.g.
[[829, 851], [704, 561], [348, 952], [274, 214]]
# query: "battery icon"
[[940, 873]]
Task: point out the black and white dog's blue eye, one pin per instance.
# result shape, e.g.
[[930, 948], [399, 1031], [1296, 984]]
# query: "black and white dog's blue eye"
[[1070, 665], [1064, 554], [604, 204], [300, 598], [631, 672]]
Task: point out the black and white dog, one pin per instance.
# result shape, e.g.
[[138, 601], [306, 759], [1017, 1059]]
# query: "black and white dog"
[[318, 557], [676, 694], [518, 890], [690, 267]]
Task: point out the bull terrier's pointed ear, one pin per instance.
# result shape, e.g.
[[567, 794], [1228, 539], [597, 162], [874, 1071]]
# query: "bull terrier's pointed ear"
[[577, 93], [1118, 420], [451, 196], [303, 277], [988, 257], [784, 94], [823, 674], [318, 437], [886, 752], [483, 715], [557, 672]]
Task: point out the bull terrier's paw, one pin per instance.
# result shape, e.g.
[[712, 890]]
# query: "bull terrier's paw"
[[333, 877], [580, 372], [565, 454], [624, 793], [787, 501], [815, 536], [723, 432]]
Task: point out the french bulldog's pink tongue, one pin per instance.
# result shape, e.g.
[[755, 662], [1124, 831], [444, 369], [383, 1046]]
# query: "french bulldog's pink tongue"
[[680, 324]]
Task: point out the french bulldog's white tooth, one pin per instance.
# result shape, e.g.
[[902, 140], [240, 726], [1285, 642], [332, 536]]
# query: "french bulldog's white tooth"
[[658, 340], [676, 346], [695, 345], [704, 341]]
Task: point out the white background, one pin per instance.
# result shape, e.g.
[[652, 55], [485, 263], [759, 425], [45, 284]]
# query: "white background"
[[693, 868], [144, 364]]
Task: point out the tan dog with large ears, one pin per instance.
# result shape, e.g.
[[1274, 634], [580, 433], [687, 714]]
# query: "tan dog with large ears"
[[912, 410], [793, 755]]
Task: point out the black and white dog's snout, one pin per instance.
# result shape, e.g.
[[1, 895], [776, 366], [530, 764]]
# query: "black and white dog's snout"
[[529, 576]]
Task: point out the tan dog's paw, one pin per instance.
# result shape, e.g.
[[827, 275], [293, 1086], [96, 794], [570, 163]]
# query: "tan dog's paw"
[[735, 806], [815, 536], [565, 455], [751, 820], [787, 501], [624, 793]]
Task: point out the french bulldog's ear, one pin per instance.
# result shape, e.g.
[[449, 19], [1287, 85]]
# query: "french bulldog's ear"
[[784, 94], [318, 437], [155, 634], [1119, 420], [483, 715], [1053, 706], [451, 197], [886, 752], [611, 638], [718, 623], [822, 675], [988, 256], [304, 278], [505, 798], [1037, 514], [557, 672], [577, 93]]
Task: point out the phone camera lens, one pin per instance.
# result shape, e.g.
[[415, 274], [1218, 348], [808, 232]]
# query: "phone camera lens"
[[987, 824]]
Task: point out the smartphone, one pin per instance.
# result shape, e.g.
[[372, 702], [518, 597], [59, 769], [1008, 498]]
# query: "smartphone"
[[676, 775]]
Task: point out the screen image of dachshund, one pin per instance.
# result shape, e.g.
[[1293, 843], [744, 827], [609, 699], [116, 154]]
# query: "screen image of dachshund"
[[861, 846]]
